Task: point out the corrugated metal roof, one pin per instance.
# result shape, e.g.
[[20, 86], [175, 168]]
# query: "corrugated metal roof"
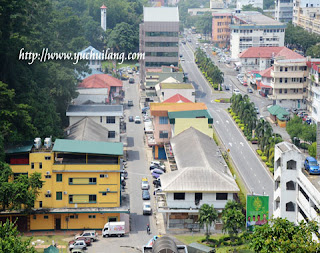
[[277, 110], [95, 110], [176, 85], [160, 14], [199, 124], [190, 114], [88, 147], [200, 167], [20, 148]]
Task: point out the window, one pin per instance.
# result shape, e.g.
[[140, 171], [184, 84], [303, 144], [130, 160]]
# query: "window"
[[73, 216], [82, 181], [48, 195], [92, 180], [163, 134], [34, 217], [290, 186], [221, 196], [286, 69], [58, 195], [280, 91], [179, 196], [286, 80], [70, 198], [290, 207], [101, 175], [47, 176], [32, 165], [40, 165], [280, 80], [280, 68], [59, 178], [112, 219], [92, 216], [92, 198], [104, 194], [285, 90], [111, 134], [40, 204], [100, 119], [163, 120], [111, 119], [47, 157], [46, 217]]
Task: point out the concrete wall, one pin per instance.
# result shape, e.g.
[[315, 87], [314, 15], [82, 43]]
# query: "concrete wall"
[[161, 127], [95, 95], [187, 93]]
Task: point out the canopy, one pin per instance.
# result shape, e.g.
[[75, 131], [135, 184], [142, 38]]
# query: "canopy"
[[51, 249]]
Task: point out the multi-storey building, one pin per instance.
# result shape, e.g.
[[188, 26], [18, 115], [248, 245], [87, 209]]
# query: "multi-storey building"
[[252, 29], [254, 3], [289, 83], [159, 38], [284, 10], [306, 14], [296, 194], [220, 29], [81, 184], [313, 89]]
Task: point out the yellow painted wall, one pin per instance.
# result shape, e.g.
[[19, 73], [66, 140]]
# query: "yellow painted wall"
[[281, 123], [112, 199], [200, 124], [82, 222]]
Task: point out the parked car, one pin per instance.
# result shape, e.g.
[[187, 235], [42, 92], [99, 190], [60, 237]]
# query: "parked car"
[[137, 120], [85, 239], [226, 87], [79, 244], [130, 103], [78, 251], [145, 195], [157, 183], [144, 184], [130, 72], [155, 175], [89, 234], [250, 90], [131, 119], [131, 80], [116, 228], [158, 171], [311, 165], [145, 109], [236, 91], [162, 167], [147, 208]]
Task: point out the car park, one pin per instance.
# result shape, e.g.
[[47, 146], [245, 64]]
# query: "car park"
[[147, 208], [88, 234], [236, 91], [137, 120], [79, 244], [311, 165], [130, 118], [144, 184], [145, 195], [131, 80], [250, 90]]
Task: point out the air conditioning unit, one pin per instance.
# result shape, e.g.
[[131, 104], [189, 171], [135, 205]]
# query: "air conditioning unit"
[[65, 193], [108, 189], [48, 192], [48, 172], [105, 175]]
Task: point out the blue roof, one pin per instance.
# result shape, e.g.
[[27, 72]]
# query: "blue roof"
[[90, 49], [84, 75]]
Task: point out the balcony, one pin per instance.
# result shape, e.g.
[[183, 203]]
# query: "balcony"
[[278, 85], [288, 74]]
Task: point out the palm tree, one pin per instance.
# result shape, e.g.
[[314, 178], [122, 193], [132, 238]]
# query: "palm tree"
[[233, 218], [207, 216]]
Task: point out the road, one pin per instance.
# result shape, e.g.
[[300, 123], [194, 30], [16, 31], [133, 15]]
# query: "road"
[[137, 168], [252, 171]]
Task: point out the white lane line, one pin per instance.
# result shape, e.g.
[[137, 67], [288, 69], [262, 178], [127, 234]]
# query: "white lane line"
[[241, 143], [230, 144]]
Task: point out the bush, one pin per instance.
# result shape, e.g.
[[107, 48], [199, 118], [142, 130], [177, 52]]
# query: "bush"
[[217, 100], [229, 110], [242, 128], [269, 164], [259, 152], [264, 158], [215, 86], [238, 121], [272, 170], [241, 125], [232, 113]]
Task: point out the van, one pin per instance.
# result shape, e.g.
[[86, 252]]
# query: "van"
[[130, 103], [114, 228]]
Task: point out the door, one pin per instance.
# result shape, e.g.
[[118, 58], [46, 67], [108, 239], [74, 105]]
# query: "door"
[[58, 223]]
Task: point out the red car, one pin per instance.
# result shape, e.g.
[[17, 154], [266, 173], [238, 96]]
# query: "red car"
[[86, 240]]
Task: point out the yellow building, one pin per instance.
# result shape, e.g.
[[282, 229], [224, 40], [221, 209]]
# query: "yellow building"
[[82, 184]]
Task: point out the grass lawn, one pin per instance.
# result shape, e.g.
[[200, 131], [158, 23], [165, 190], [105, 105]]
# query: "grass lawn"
[[58, 239]]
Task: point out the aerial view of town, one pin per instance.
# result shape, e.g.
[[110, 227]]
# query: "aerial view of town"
[[159, 126]]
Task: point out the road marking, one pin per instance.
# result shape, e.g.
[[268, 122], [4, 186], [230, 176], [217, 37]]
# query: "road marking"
[[227, 121], [217, 121], [241, 143], [250, 168], [218, 110], [230, 144]]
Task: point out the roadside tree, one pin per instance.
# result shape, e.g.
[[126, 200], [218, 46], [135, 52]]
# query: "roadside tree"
[[207, 216]]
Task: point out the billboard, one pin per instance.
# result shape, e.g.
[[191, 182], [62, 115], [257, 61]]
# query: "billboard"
[[257, 211]]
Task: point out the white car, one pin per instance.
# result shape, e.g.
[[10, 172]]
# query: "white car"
[[147, 208], [137, 120], [236, 91], [80, 244], [144, 184]]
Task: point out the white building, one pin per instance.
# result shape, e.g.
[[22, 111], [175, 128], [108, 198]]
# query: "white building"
[[296, 194], [254, 3], [103, 9], [313, 89], [216, 4], [252, 29], [202, 177], [105, 115], [284, 10], [93, 56]]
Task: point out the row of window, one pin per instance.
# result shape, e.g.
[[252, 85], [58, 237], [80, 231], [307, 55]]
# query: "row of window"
[[293, 68], [163, 134], [293, 80], [198, 196], [159, 64], [292, 90], [161, 44], [223, 23], [46, 217], [162, 54], [90, 180], [109, 119], [162, 34]]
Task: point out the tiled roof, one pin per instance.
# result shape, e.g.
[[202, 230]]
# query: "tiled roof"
[[266, 72], [269, 52], [177, 99], [94, 110], [176, 85], [173, 107], [100, 81], [163, 14]]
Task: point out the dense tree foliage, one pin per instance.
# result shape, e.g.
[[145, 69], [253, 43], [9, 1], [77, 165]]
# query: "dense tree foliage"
[[11, 242], [298, 38], [185, 18], [281, 235], [296, 128], [250, 7], [233, 218], [268, 4], [207, 216], [204, 24], [314, 51]]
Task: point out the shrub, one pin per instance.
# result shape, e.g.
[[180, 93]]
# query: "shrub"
[[232, 113], [229, 110], [269, 164], [215, 86], [217, 100], [238, 121], [259, 152], [264, 158], [271, 170], [241, 127]]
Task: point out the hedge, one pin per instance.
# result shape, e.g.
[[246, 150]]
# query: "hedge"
[[259, 152], [264, 158]]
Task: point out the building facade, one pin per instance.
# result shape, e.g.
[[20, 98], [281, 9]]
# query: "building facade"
[[81, 184], [252, 29], [306, 14], [254, 3], [167, 90], [159, 38], [283, 10], [220, 29], [313, 89], [289, 83]]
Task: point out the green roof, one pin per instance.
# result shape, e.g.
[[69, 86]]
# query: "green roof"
[[51, 249], [277, 110], [190, 114], [88, 147], [176, 86], [20, 148]]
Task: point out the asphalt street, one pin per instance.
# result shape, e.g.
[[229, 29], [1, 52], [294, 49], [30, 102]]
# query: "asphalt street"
[[252, 171], [137, 169]]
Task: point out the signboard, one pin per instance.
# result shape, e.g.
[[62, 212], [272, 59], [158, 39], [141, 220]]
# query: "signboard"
[[257, 211]]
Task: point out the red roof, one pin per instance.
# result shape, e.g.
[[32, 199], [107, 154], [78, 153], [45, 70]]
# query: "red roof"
[[269, 52], [266, 72], [177, 99], [100, 81], [103, 7]]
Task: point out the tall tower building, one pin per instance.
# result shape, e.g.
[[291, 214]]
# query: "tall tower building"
[[103, 17]]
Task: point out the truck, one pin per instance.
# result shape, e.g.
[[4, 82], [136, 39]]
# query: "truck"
[[114, 228]]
